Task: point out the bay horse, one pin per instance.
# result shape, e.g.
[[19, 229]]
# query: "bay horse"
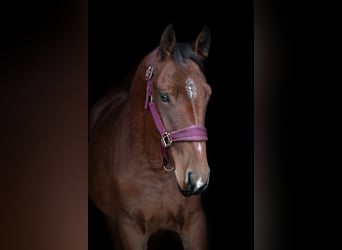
[[147, 148]]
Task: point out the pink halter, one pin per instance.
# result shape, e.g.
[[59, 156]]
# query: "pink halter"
[[191, 133]]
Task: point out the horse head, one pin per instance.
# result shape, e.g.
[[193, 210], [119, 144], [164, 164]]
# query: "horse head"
[[177, 94]]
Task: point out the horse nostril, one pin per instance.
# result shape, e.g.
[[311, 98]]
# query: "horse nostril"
[[189, 185]]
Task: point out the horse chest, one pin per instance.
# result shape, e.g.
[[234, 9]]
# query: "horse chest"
[[153, 193], [157, 204]]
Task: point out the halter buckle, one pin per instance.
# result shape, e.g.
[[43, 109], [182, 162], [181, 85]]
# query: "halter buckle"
[[166, 140]]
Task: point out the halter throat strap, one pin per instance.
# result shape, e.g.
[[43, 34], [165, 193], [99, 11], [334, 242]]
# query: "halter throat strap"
[[190, 133]]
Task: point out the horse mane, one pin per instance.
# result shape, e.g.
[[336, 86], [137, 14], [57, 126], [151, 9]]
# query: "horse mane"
[[184, 51]]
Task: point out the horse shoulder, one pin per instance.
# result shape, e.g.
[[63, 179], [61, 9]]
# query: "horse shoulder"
[[101, 149]]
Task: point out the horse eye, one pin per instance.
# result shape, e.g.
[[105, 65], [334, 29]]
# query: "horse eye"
[[165, 97]]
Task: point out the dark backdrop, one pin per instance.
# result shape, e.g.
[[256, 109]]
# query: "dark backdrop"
[[120, 36]]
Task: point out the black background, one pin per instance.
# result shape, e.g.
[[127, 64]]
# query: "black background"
[[46, 92], [119, 36]]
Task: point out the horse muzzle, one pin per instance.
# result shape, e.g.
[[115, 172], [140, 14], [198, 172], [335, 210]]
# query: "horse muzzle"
[[194, 185]]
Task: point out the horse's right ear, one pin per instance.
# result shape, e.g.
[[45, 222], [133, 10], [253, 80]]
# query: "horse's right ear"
[[167, 42]]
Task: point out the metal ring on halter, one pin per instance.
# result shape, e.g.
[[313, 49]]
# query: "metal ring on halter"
[[149, 73], [168, 169]]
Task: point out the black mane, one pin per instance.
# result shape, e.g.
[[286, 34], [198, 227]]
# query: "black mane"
[[184, 51]]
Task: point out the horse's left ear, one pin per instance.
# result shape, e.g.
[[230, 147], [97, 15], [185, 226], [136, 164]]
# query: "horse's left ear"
[[202, 43], [167, 42]]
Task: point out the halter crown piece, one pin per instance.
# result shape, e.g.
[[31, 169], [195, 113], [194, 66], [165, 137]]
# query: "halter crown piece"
[[190, 133]]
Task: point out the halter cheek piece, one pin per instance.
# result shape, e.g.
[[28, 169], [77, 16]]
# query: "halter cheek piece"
[[191, 133]]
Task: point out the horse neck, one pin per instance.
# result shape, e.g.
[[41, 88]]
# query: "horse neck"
[[144, 135]]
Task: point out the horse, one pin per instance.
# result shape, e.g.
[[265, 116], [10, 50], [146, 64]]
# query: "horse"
[[147, 148]]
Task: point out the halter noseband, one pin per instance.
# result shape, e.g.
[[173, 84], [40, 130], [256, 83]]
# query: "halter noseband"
[[190, 133]]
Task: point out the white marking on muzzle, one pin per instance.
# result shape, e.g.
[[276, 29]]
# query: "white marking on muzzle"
[[199, 148], [199, 183]]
